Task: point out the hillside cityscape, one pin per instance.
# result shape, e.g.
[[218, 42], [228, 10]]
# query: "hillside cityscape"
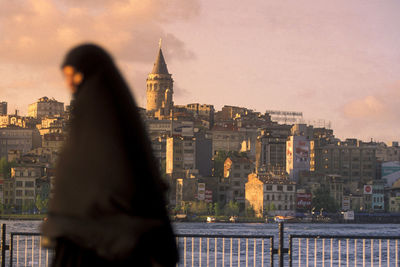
[[233, 162]]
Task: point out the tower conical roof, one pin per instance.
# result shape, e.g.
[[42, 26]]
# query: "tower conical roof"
[[160, 67]]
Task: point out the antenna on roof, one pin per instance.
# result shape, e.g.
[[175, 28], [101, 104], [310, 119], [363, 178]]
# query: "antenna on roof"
[[159, 43]]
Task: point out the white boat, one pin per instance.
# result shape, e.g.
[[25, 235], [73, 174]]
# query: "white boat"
[[233, 219], [210, 219]]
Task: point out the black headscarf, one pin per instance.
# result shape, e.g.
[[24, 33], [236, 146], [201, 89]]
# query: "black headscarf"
[[108, 193]]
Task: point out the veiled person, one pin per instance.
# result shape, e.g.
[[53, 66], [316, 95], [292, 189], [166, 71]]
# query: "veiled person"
[[108, 207]]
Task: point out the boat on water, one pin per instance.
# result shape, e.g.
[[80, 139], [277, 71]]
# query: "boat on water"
[[180, 217], [233, 219], [280, 218], [210, 219]]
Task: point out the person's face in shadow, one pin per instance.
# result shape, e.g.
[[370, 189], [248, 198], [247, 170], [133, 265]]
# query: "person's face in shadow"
[[73, 78]]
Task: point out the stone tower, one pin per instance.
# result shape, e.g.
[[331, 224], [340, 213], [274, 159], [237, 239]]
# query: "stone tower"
[[159, 88]]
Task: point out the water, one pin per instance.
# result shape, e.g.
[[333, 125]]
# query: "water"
[[294, 228], [344, 252], [251, 228]]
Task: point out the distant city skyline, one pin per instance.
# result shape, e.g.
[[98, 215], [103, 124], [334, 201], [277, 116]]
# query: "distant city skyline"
[[337, 61]]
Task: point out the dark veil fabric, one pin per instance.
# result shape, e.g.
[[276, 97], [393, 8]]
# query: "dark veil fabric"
[[108, 196]]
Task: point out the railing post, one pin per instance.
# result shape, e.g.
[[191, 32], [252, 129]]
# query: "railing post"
[[290, 251], [3, 245], [271, 251], [280, 248]]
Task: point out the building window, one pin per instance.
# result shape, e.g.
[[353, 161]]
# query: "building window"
[[280, 188], [18, 184], [289, 188], [29, 184], [267, 197], [269, 187]]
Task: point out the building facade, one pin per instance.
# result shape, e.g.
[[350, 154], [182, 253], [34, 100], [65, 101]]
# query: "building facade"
[[3, 108], [180, 155], [45, 107], [14, 138], [202, 111], [271, 148], [53, 141], [270, 194], [236, 171], [353, 160], [12, 120], [226, 139], [20, 189]]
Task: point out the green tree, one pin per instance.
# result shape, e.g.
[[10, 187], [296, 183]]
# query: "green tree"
[[185, 207], [2, 206], [210, 209], [272, 206], [217, 209], [250, 211], [322, 200], [41, 204], [163, 167], [199, 208], [219, 160], [5, 168], [232, 209]]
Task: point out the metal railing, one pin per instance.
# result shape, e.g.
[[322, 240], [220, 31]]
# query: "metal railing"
[[25, 249], [337, 250], [223, 250]]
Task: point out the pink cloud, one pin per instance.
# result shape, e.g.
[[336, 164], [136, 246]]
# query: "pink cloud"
[[40, 31], [373, 116], [36, 34], [369, 107]]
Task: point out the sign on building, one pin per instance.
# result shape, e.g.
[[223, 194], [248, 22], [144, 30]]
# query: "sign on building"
[[303, 200], [201, 194], [345, 202], [349, 215], [368, 189], [208, 196], [297, 155]]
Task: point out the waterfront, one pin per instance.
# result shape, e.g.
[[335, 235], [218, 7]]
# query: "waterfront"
[[250, 228], [294, 228], [229, 250]]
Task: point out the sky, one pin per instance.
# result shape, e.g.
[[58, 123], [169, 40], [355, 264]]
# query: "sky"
[[332, 60]]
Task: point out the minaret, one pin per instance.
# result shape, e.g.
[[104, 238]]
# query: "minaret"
[[159, 87]]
